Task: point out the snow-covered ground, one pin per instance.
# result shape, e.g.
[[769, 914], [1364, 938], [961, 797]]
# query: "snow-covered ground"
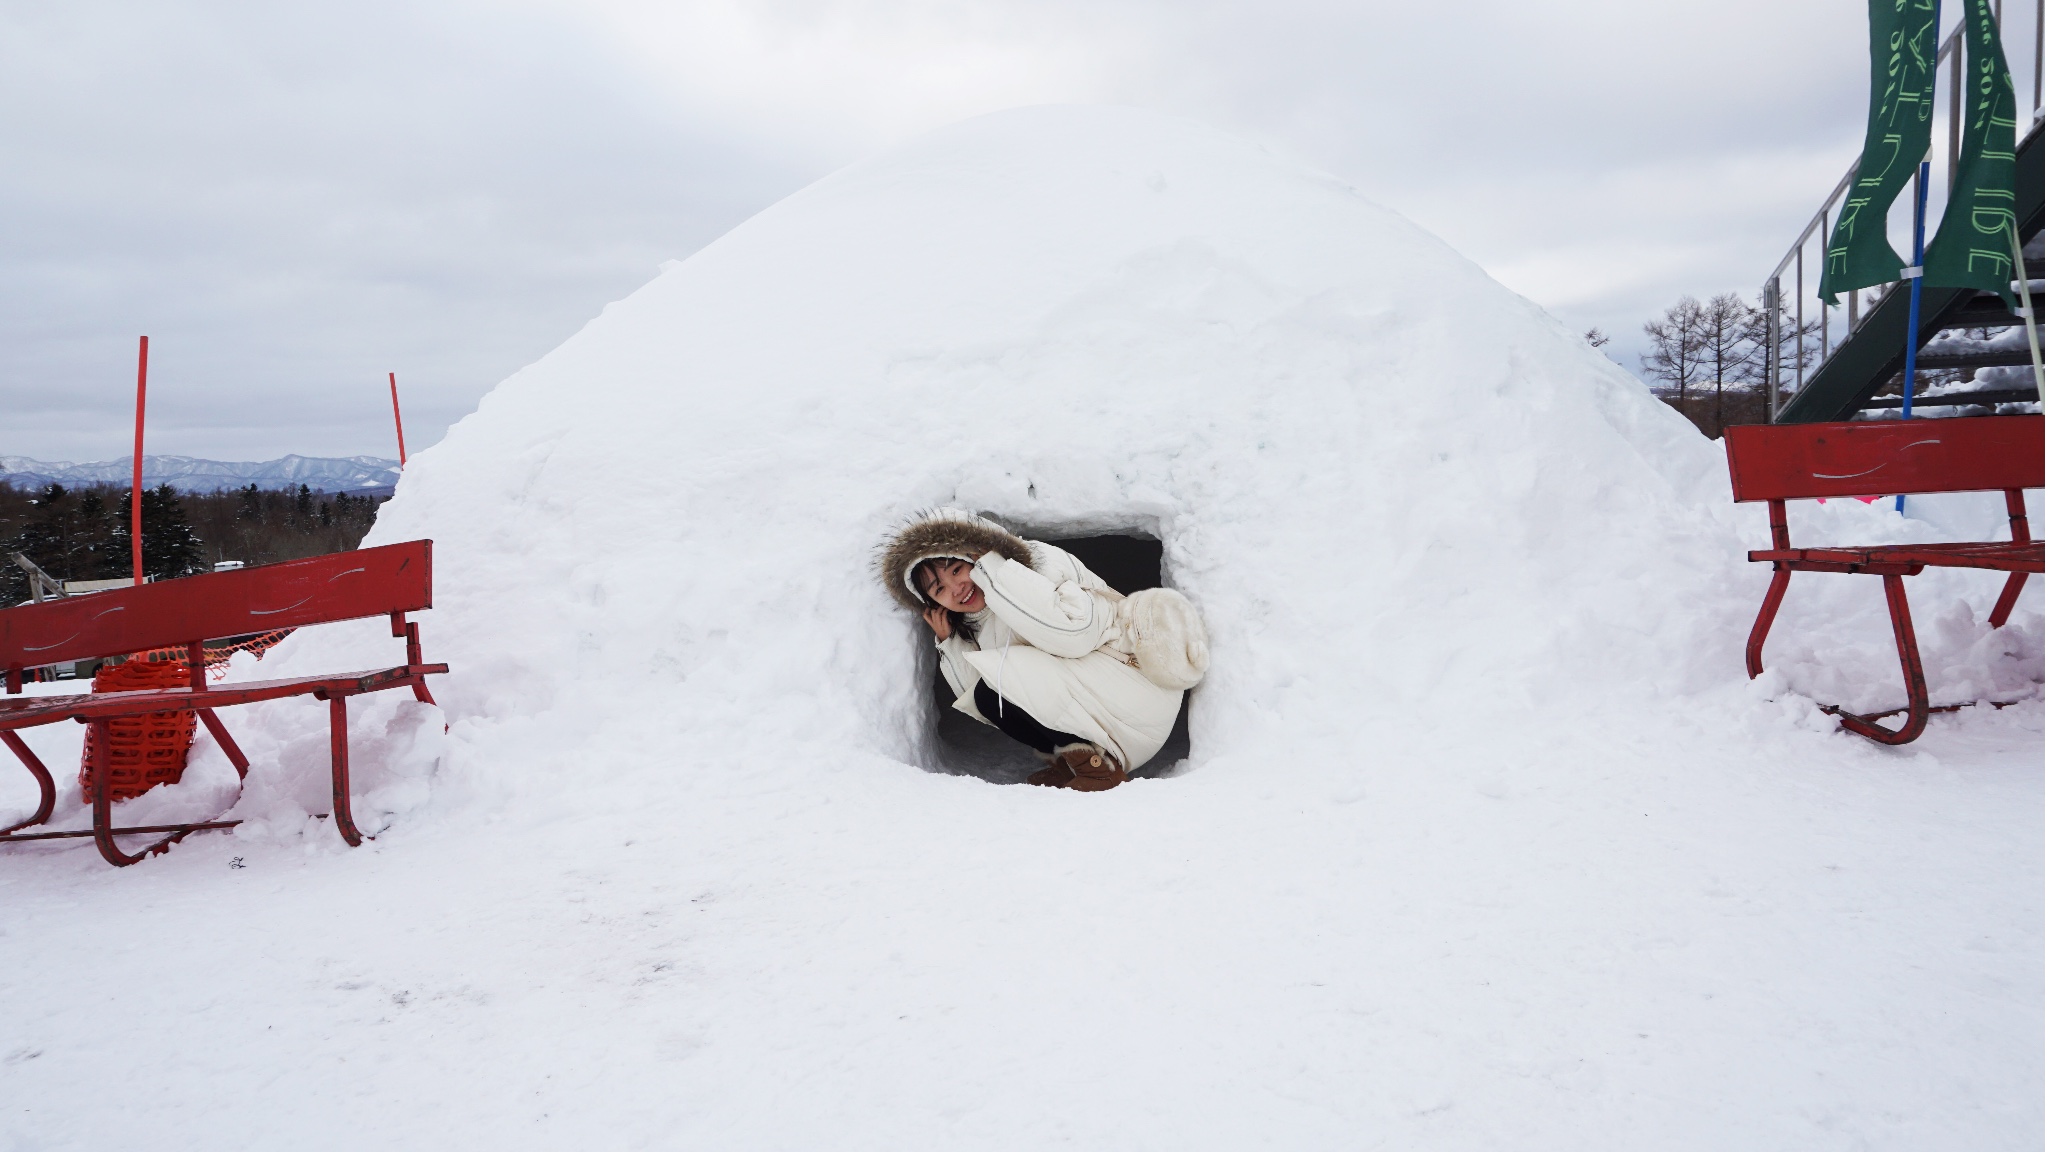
[[1484, 840], [1650, 937]]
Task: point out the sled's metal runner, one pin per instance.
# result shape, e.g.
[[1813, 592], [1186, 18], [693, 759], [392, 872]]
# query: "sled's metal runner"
[[82, 832], [97, 709]]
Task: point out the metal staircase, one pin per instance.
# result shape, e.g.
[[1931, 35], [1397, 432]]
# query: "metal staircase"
[[1834, 360]]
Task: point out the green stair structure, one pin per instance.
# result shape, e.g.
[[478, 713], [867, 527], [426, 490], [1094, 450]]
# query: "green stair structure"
[[1862, 350]]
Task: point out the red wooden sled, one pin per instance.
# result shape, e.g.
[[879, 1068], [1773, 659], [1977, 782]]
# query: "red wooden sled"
[[183, 613], [1780, 462]]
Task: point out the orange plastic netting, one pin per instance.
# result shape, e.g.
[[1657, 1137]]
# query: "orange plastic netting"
[[142, 751], [217, 655]]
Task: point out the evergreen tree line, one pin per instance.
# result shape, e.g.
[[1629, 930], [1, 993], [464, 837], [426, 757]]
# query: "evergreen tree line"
[[83, 533]]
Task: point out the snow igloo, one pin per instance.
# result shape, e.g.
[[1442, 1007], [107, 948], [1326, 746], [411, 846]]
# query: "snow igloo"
[[1395, 488]]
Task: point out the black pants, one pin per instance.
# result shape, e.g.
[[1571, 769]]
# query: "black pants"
[[1018, 724]]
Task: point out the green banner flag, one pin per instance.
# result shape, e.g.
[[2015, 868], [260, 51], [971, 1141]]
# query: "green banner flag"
[[1903, 44], [1973, 248]]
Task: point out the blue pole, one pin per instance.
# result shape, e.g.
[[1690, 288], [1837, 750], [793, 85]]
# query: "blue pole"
[[1913, 302]]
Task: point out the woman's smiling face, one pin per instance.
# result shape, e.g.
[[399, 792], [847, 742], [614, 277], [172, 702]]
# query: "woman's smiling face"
[[950, 585]]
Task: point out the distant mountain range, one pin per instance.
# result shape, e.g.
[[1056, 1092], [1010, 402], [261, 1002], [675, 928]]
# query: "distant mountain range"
[[327, 474]]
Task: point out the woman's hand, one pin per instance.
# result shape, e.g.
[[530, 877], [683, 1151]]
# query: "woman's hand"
[[941, 626]]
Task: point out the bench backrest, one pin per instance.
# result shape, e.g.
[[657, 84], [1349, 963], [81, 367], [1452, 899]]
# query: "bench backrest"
[[1883, 458], [213, 605]]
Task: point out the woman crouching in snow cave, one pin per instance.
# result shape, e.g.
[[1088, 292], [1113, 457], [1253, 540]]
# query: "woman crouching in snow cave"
[[1036, 645]]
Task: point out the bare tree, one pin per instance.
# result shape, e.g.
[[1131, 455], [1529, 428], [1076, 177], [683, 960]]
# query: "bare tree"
[[1729, 351], [1596, 337], [1675, 346]]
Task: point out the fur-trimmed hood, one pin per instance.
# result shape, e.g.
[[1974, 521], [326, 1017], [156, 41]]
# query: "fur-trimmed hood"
[[942, 532]]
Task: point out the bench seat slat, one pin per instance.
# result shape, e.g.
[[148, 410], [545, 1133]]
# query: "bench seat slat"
[[31, 711], [1998, 555]]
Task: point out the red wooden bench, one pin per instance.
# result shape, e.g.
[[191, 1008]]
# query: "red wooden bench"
[[184, 613], [1780, 462]]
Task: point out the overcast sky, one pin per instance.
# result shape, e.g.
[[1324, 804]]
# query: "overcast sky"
[[292, 200]]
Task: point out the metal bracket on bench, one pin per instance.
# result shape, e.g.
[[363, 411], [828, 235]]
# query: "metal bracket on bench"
[[226, 742], [2016, 516], [411, 632]]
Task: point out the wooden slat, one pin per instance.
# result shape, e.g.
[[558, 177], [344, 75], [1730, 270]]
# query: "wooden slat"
[[317, 590], [1997, 556], [1883, 458]]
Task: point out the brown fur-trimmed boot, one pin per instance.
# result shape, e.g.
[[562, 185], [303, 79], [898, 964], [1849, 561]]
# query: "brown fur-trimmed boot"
[[1081, 767]]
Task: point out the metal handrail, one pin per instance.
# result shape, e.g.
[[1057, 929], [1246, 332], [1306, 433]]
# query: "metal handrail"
[[1950, 53]]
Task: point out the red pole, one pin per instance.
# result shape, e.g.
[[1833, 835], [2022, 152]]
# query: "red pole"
[[135, 489], [399, 421]]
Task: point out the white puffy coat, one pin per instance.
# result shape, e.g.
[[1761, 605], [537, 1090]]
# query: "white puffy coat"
[[1053, 642]]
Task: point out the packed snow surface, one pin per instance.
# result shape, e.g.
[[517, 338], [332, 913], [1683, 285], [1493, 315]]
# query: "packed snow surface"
[[1485, 839]]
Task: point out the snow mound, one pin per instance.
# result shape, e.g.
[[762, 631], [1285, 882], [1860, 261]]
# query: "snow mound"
[[1398, 491]]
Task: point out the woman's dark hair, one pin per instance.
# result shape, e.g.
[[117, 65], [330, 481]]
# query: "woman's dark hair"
[[928, 568]]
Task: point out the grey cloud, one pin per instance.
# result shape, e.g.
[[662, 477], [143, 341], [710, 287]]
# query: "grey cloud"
[[292, 201], [292, 207]]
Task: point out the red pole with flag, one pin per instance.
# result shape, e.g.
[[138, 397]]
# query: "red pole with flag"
[[135, 488], [397, 420]]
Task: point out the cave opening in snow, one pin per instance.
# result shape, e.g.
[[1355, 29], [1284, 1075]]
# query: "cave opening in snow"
[[1127, 563]]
